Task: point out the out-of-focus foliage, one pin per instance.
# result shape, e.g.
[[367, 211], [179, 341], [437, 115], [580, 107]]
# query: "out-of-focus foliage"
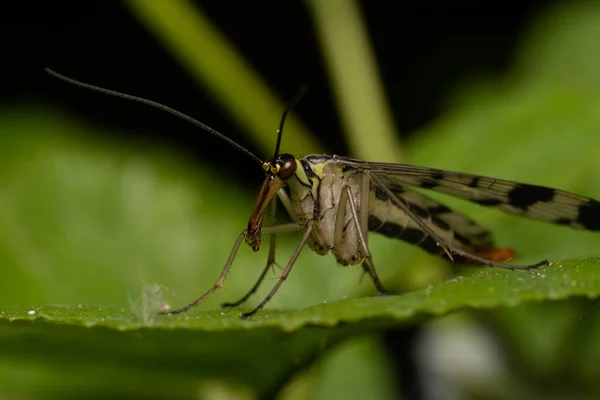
[[122, 229]]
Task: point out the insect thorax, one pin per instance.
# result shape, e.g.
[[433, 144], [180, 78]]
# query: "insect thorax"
[[316, 191]]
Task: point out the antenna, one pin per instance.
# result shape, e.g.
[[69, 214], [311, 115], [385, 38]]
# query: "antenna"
[[301, 93], [156, 105]]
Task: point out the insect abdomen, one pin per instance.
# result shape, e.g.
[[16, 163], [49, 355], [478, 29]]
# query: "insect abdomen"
[[454, 228], [405, 231]]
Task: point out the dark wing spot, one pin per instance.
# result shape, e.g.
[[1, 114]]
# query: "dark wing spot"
[[390, 229], [439, 209], [488, 202], [381, 194], [430, 246], [484, 235], [524, 196], [440, 223], [428, 184], [397, 189], [385, 228], [409, 235], [563, 221], [462, 239], [418, 211], [375, 223], [412, 235], [431, 182], [589, 215], [481, 241], [474, 182]]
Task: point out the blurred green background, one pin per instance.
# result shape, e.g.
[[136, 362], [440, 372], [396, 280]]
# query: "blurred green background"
[[114, 209]]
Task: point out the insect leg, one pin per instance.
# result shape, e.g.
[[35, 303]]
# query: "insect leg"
[[270, 261], [338, 229], [448, 248], [218, 284], [363, 215], [368, 264], [285, 272]]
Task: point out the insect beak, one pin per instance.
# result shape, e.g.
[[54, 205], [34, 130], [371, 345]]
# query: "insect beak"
[[268, 190]]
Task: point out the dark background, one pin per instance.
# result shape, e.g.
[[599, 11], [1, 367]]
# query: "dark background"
[[423, 50]]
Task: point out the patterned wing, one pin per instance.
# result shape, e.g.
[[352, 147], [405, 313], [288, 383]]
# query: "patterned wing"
[[536, 202], [454, 228]]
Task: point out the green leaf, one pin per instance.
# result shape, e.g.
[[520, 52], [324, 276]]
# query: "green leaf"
[[488, 288], [203, 345]]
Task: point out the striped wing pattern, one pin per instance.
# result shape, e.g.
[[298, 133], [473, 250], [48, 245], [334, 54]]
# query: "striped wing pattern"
[[531, 201], [455, 228]]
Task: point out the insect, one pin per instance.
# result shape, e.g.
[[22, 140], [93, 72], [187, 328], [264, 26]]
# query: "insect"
[[336, 201]]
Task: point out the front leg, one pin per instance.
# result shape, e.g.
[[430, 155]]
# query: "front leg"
[[218, 284], [308, 228], [270, 261]]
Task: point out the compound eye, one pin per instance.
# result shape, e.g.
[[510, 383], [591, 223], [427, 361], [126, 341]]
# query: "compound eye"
[[287, 164]]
